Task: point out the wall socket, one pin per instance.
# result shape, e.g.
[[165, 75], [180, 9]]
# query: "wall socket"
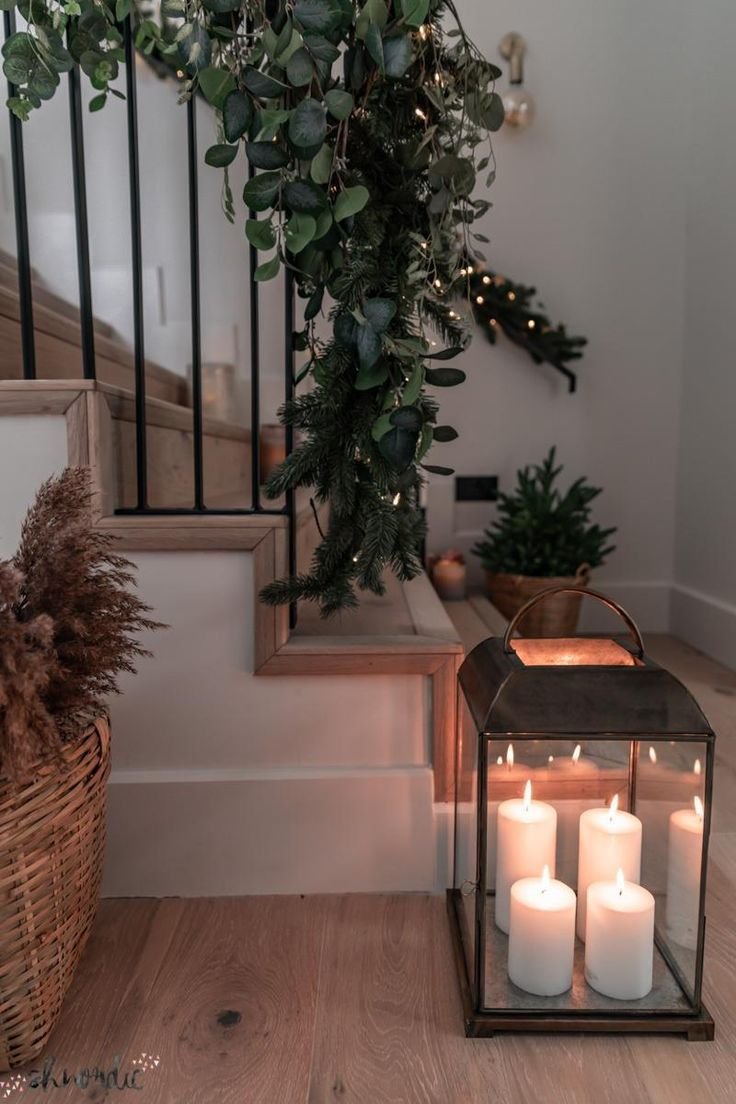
[[476, 488]]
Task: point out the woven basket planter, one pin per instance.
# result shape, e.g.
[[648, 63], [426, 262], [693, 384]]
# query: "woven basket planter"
[[52, 841], [556, 617]]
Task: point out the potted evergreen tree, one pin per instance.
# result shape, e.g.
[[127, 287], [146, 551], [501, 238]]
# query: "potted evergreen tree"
[[543, 538], [68, 628]]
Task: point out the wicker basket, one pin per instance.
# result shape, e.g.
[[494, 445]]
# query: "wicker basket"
[[52, 841], [556, 617]]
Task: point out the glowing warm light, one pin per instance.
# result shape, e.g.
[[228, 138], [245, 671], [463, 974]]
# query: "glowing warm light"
[[576, 754], [419, 113], [613, 808], [652, 754], [527, 795], [545, 879], [511, 296], [397, 498], [499, 761], [479, 299], [453, 315], [697, 767], [180, 73], [470, 270], [355, 559], [422, 31], [486, 280], [698, 807], [491, 321], [438, 283], [510, 755], [531, 323], [550, 758], [620, 881]]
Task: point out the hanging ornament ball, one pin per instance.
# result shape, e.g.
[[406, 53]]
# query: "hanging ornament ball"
[[519, 107]]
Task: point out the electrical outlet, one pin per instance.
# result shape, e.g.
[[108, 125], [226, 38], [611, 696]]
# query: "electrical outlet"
[[476, 488]]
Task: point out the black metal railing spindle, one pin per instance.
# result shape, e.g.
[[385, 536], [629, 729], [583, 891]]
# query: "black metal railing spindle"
[[86, 317], [136, 250], [195, 305], [20, 207], [288, 393]]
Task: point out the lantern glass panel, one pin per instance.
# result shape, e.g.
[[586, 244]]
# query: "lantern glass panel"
[[573, 775], [466, 843]]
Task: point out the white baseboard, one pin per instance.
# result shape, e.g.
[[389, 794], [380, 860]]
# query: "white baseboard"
[[279, 831], [707, 623]]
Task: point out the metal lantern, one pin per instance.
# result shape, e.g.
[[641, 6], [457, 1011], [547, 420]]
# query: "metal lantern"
[[582, 816]]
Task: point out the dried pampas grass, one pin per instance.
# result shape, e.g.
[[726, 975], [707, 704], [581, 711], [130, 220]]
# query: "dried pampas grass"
[[69, 625]]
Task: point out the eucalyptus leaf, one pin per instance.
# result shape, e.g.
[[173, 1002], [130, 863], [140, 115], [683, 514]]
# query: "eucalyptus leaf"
[[339, 104], [351, 201], [299, 232], [220, 155], [317, 15], [444, 377], [321, 165], [397, 56], [304, 197], [314, 303], [321, 48], [445, 433], [345, 329], [381, 426], [268, 269], [398, 447], [369, 345], [414, 12], [299, 68], [373, 13], [261, 84], [436, 469], [379, 313], [195, 50], [216, 84], [493, 112], [307, 125], [374, 44], [446, 354], [260, 233], [237, 115], [413, 386], [407, 417], [266, 155], [260, 193], [370, 376]]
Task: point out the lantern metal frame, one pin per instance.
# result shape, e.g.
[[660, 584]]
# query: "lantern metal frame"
[[635, 703]]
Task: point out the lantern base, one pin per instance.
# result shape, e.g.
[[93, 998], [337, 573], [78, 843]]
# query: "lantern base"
[[696, 1027]]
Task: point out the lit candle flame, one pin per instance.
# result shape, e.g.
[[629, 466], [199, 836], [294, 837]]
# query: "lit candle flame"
[[576, 754], [697, 767], [551, 759], [527, 795], [545, 879], [499, 761], [510, 756], [620, 881], [652, 754], [613, 808], [698, 807]]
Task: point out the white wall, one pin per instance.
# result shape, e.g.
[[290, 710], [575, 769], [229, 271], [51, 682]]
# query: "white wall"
[[589, 206], [704, 601]]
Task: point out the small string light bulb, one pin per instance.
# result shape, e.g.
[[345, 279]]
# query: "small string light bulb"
[[479, 299], [487, 280]]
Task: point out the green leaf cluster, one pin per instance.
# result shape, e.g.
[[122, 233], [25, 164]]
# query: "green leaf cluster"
[[361, 122], [542, 531]]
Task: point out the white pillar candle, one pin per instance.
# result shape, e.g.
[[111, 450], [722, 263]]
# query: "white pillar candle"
[[541, 935], [525, 840], [619, 948], [684, 859], [609, 839]]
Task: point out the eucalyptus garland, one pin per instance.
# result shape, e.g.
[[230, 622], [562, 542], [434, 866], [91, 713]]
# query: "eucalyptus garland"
[[364, 123]]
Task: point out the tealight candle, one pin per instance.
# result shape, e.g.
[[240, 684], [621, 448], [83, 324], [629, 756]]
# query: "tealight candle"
[[619, 945], [541, 935], [684, 859], [525, 839], [609, 839]]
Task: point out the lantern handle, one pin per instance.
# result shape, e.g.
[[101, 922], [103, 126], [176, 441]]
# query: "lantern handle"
[[583, 592]]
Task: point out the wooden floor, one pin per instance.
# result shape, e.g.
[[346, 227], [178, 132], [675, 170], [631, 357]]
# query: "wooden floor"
[[354, 999]]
